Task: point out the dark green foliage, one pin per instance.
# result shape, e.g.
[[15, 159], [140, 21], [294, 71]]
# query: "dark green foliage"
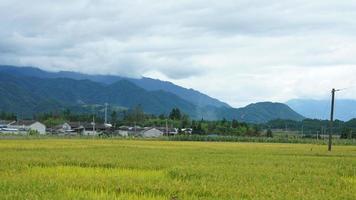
[[53, 119], [310, 127], [32, 95], [33, 132], [347, 133], [269, 133], [198, 128], [114, 118], [175, 114], [148, 84], [135, 116], [253, 113], [26, 95], [224, 127], [7, 116]]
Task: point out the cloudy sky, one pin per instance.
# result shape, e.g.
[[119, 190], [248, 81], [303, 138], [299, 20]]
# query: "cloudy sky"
[[239, 51]]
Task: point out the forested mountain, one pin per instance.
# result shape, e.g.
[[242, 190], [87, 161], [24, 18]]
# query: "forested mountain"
[[320, 109], [254, 113], [31, 91], [31, 95], [195, 97]]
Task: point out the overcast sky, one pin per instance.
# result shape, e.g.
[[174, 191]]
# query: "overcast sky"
[[239, 51]]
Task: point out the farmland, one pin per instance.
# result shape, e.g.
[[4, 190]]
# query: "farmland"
[[124, 169]]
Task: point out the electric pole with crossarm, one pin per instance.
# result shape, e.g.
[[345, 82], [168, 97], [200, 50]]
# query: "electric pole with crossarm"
[[332, 117]]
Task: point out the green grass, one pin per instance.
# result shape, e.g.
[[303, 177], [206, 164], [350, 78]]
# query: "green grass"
[[123, 169]]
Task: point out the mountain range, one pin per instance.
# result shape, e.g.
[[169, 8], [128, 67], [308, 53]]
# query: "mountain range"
[[31, 90], [345, 109], [148, 84]]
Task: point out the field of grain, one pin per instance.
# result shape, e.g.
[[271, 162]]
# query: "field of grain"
[[119, 169]]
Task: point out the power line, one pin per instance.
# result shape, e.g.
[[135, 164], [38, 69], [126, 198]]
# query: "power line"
[[347, 88]]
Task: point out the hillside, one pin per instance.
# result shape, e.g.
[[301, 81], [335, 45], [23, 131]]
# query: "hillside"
[[31, 95], [254, 113], [195, 97], [320, 109], [29, 92]]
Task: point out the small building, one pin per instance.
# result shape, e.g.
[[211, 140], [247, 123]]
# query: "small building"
[[187, 130], [168, 131], [79, 128], [63, 129], [124, 131], [151, 132], [5, 129], [27, 125], [91, 129], [4, 123]]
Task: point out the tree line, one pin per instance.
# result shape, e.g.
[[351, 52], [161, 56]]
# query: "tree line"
[[176, 119], [315, 126]]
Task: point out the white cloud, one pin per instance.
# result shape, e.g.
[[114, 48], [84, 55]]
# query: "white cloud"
[[239, 51]]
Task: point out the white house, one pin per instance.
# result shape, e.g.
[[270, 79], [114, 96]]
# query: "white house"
[[26, 125], [123, 131], [79, 128], [151, 132]]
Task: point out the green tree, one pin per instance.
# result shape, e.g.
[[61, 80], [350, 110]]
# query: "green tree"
[[269, 133], [346, 133], [114, 117], [135, 115], [33, 132], [7, 116], [161, 116], [175, 114], [185, 121], [235, 123]]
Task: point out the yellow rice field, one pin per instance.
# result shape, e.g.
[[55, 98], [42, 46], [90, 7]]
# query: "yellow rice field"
[[127, 169]]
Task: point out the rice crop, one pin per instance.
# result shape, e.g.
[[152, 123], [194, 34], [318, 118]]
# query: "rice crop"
[[174, 170]]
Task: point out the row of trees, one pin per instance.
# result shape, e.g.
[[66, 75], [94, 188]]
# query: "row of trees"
[[180, 120], [314, 126], [7, 116], [137, 117], [224, 127]]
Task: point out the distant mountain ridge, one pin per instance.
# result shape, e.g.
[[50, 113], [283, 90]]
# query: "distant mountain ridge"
[[149, 84], [261, 112], [28, 94], [32, 91], [345, 109]]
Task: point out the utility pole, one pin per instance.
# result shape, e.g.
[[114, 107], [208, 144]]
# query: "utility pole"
[[166, 127], [106, 113], [93, 123], [331, 117]]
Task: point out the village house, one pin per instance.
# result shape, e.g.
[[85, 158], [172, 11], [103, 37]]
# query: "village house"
[[27, 125], [138, 131], [151, 132], [168, 131], [4, 123], [129, 131], [123, 131], [187, 130], [63, 129], [4, 127], [79, 128]]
